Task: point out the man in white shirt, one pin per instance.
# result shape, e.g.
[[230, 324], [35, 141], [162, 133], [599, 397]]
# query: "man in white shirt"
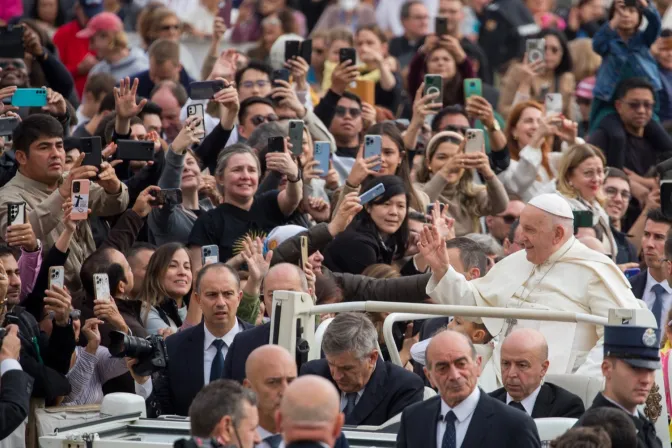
[[462, 414], [524, 362], [16, 385], [196, 355]]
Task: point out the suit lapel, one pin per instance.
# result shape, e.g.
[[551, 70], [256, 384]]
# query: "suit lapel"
[[194, 355], [638, 284], [544, 402], [479, 426], [372, 396]]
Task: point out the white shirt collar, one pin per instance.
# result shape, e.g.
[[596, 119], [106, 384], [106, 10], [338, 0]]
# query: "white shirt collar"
[[465, 408], [528, 402], [650, 282], [227, 338], [263, 433], [555, 256]]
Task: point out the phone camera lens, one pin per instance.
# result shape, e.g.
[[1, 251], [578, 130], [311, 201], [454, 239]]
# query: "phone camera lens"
[[75, 187]]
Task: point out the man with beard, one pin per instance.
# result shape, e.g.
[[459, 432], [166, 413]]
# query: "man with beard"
[[12, 269]]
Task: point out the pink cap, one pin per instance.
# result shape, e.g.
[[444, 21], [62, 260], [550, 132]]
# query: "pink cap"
[[105, 21], [585, 88]]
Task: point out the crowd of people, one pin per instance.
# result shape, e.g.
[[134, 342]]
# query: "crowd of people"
[[534, 174]]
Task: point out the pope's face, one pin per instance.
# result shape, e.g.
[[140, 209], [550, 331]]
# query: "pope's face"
[[538, 234]]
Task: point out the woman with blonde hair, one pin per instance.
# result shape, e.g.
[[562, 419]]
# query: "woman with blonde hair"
[[585, 60], [109, 41], [580, 179], [447, 176]]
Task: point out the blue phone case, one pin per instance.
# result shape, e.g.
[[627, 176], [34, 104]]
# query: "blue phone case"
[[373, 146], [372, 194], [322, 153], [29, 98]]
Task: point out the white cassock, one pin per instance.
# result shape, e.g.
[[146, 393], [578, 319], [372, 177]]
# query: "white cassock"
[[574, 279]]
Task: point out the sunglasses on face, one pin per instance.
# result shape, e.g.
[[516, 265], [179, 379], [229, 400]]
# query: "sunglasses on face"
[[636, 105], [354, 112], [259, 83], [259, 119], [17, 64], [509, 219]]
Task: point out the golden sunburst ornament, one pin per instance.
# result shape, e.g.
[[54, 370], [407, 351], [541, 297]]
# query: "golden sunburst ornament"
[[653, 408], [252, 234]]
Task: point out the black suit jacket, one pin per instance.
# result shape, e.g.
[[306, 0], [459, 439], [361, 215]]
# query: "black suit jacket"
[[389, 390], [646, 432], [243, 344], [638, 283], [552, 401], [17, 386], [176, 386], [492, 424]]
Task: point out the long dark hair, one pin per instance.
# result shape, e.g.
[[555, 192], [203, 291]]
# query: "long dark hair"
[[566, 61], [363, 222]]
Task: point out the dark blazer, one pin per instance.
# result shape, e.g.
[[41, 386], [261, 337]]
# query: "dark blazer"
[[646, 432], [638, 283], [17, 386], [492, 424], [431, 326], [305, 445], [243, 344], [389, 390], [177, 385], [552, 401]]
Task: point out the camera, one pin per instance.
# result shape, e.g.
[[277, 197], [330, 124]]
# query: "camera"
[[207, 252], [151, 352], [75, 187], [536, 50]]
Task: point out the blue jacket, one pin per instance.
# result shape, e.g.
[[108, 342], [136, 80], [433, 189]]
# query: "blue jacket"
[[617, 54]]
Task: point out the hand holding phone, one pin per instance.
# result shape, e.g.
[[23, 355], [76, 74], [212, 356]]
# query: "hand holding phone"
[[56, 277], [371, 194]]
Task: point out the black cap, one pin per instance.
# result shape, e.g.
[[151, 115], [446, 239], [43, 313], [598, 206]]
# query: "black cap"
[[638, 346]]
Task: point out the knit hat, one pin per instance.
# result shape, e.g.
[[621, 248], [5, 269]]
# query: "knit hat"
[[585, 88]]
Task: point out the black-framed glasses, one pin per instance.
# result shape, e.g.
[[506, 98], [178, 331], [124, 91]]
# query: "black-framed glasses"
[[636, 105], [259, 119], [613, 192], [508, 219], [13, 63], [353, 111]]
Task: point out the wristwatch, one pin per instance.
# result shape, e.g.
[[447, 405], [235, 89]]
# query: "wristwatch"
[[495, 126]]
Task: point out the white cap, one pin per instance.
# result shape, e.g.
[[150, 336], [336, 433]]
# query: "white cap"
[[554, 204]]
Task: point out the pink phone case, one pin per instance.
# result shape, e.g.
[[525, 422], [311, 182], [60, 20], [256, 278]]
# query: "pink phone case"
[[80, 200]]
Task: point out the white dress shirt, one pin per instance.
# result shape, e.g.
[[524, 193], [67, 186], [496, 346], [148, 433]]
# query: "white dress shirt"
[[528, 402], [262, 435], [344, 398], [9, 364], [463, 411], [649, 297]]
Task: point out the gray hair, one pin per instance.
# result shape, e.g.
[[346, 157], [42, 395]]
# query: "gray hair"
[[215, 401], [488, 243], [230, 151], [259, 137], [565, 223], [472, 254], [350, 332]]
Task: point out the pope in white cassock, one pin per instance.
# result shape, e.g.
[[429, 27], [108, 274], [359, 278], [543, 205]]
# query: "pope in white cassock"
[[554, 272]]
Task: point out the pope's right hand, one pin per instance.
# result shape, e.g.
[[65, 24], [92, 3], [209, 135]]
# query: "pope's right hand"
[[432, 247]]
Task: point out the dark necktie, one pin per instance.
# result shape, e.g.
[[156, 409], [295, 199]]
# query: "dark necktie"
[[274, 440], [449, 437], [217, 368], [350, 405], [657, 308], [518, 405]]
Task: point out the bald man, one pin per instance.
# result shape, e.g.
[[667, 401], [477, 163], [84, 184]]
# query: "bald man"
[[310, 415], [524, 363]]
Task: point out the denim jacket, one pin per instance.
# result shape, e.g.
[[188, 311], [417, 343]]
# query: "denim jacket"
[[616, 54]]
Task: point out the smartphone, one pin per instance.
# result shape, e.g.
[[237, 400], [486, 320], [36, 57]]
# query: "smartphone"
[[430, 208], [210, 254], [365, 89], [583, 218], [434, 84], [224, 11], [373, 146], [276, 144], [553, 104], [372, 194], [80, 199], [205, 90], [535, 49], [282, 74], [30, 97], [7, 125], [135, 150], [666, 198], [11, 42], [472, 87], [16, 213], [304, 251], [166, 196], [475, 141], [101, 285], [322, 153], [296, 136], [292, 49], [306, 51], [441, 26], [630, 3], [92, 147], [56, 276], [629, 273], [347, 54], [199, 111]]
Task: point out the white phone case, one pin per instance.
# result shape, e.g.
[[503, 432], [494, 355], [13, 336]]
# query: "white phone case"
[[16, 213], [56, 276], [198, 110], [553, 104], [101, 284], [475, 141]]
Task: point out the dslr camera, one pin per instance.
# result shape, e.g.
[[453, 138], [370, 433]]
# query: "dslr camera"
[[151, 352]]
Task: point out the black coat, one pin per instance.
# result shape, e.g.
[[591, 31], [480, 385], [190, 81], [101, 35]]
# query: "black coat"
[[15, 391], [176, 386], [552, 401], [646, 432], [638, 283], [355, 249], [389, 391], [243, 344], [493, 424]]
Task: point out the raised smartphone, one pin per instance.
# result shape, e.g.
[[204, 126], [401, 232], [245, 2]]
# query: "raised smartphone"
[[365, 89], [304, 251], [296, 136], [282, 74], [307, 50], [30, 98], [92, 147], [372, 194], [629, 273], [347, 54], [224, 11], [441, 26], [276, 144], [135, 150], [472, 87], [553, 104], [475, 141], [199, 111], [11, 42], [434, 84], [210, 254], [56, 276], [292, 49], [373, 146], [101, 285], [80, 200], [205, 90], [16, 213], [583, 218], [322, 153], [7, 125], [535, 49], [430, 208], [166, 196]]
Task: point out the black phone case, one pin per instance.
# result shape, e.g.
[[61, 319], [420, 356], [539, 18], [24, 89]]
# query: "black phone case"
[[292, 49], [7, 125], [11, 42], [441, 26], [276, 144], [135, 150], [205, 90], [92, 147], [282, 74], [307, 50], [347, 54]]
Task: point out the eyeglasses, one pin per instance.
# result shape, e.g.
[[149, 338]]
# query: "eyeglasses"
[[613, 192], [508, 219], [636, 105], [170, 27], [454, 128], [259, 83], [354, 112], [593, 174], [259, 119], [15, 63]]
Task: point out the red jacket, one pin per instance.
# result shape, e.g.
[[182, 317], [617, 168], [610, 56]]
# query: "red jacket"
[[71, 51]]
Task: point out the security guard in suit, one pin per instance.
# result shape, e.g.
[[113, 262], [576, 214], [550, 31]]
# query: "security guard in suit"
[[631, 357]]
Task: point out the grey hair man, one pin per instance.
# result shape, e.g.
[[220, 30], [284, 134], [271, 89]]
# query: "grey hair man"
[[490, 246], [372, 391]]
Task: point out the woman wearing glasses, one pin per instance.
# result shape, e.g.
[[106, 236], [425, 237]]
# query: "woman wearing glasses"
[[533, 80], [447, 177]]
